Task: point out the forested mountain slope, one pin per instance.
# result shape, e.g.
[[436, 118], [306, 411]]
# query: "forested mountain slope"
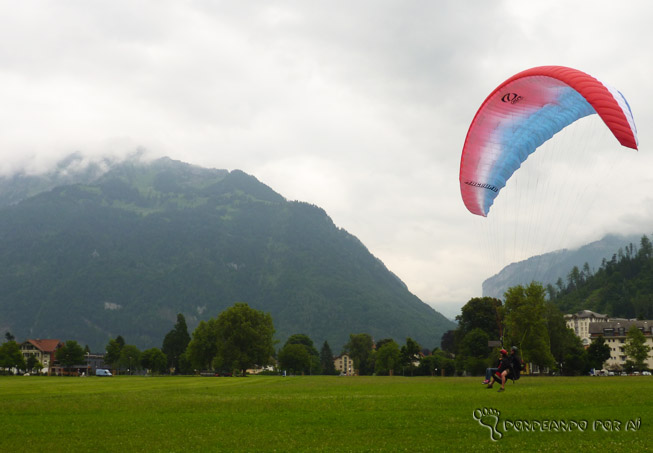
[[123, 253]]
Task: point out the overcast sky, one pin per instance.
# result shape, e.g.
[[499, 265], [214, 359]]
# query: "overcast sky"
[[359, 107]]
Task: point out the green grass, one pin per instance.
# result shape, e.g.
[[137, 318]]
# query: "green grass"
[[315, 414]]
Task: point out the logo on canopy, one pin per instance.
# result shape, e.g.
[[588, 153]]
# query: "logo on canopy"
[[512, 98]]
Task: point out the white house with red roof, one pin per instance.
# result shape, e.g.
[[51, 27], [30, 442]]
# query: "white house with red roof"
[[43, 350]]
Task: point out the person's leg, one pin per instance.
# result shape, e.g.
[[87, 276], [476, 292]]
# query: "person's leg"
[[488, 374], [503, 379], [495, 378]]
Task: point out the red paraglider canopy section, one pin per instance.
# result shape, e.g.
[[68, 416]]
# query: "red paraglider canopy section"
[[592, 90]]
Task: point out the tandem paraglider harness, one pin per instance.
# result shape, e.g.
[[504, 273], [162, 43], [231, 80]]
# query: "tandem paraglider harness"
[[512, 363]]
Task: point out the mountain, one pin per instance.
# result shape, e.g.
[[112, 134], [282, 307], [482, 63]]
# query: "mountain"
[[622, 287], [123, 250], [549, 267], [73, 169]]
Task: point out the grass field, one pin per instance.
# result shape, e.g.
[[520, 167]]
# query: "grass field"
[[324, 414]]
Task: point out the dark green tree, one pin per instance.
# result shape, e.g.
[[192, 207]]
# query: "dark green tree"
[[9, 336], [481, 313], [33, 363], [245, 338], [428, 366], [474, 352], [203, 348], [388, 358], [303, 339], [10, 356], [448, 341], [636, 348], [295, 358], [130, 358], [645, 248], [113, 349], [326, 360], [175, 343], [563, 344], [410, 355], [71, 353], [359, 348], [526, 324], [380, 343], [575, 361], [444, 361], [598, 353], [475, 344], [155, 360], [306, 342], [185, 365]]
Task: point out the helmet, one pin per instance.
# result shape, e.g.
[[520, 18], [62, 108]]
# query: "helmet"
[[514, 348], [504, 352]]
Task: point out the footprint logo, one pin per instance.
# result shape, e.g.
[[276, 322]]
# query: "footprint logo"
[[489, 418]]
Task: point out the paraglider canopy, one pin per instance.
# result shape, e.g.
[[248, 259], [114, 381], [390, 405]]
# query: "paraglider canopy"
[[524, 112]]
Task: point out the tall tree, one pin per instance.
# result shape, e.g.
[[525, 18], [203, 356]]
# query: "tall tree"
[[562, 340], [326, 360], [575, 359], [130, 358], [481, 313], [645, 248], [306, 342], [598, 352], [448, 341], [526, 326], [10, 356], [410, 354], [175, 343], [474, 351], [388, 358], [303, 339], [155, 360], [113, 349], [245, 338], [295, 358], [71, 353], [359, 348], [203, 348], [380, 343], [636, 348]]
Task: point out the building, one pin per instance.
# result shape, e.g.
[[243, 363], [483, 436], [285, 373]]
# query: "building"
[[93, 362], [345, 365], [580, 324], [43, 350], [614, 332]]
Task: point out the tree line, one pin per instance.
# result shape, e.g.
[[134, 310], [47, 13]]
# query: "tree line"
[[241, 338], [621, 287], [532, 322]]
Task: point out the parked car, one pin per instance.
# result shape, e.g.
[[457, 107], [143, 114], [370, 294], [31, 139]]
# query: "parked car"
[[102, 372], [646, 373]]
